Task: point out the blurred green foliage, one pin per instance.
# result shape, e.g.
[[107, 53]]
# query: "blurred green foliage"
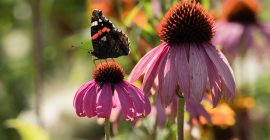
[[28, 131]]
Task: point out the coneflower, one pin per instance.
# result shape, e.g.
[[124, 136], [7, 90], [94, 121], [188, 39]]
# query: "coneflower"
[[186, 61], [109, 91], [236, 29], [186, 58]]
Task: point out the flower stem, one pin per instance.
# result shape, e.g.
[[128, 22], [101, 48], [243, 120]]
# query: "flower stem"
[[107, 129], [180, 116]]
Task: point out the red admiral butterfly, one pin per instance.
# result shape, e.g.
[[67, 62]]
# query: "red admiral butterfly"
[[108, 42]]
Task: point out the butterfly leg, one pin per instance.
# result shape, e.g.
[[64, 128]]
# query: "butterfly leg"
[[94, 60]]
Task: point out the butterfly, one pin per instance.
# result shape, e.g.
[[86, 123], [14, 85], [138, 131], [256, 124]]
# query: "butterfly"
[[107, 41]]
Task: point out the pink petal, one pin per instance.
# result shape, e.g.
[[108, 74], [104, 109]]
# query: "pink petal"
[[196, 110], [168, 85], [143, 98], [116, 112], [198, 73], [161, 79], [226, 92], [135, 98], [152, 70], [172, 108], [228, 34], [116, 116], [126, 102], [89, 101], [248, 36], [141, 66], [115, 101], [104, 101], [222, 66], [79, 91], [78, 99], [214, 81], [265, 29], [182, 70], [161, 115]]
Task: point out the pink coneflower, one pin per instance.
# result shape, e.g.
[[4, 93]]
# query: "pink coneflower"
[[109, 91], [236, 30], [186, 58]]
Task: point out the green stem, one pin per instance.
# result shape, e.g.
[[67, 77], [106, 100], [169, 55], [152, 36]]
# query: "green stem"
[[107, 129], [180, 116]]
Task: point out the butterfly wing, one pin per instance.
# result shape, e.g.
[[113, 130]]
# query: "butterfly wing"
[[120, 44], [100, 27], [108, 42]]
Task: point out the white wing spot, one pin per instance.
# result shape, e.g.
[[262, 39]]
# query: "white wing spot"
[[95, 23], [104, 38], [99, 20]]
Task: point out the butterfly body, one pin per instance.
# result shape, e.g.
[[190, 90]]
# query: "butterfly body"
[[107, 41]]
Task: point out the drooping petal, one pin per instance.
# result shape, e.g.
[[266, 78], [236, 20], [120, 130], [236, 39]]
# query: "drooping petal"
[[141, 98], [79, 91], [214, 81], [182, 69], [228, 34], [171, 109], [116, 116], [125, 102], [161, 78], [197, 110], [226, 92], [141, 66], [248, 36], [115, 101], [104, 101], [222, 66], [78, 99], [160, 113], [198, 73], [137, 101], [169, 84], [265, 29], [89, 101], [152, 70]]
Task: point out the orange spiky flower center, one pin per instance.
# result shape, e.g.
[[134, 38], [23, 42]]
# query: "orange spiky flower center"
[[186, 22], [242, 11], [108, 72]]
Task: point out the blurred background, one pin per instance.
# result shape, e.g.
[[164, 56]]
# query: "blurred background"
[[44, 59]]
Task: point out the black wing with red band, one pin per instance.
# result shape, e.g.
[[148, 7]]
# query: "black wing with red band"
[[108, 42]]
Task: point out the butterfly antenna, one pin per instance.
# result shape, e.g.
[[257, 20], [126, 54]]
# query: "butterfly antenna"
[[79, 47]]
